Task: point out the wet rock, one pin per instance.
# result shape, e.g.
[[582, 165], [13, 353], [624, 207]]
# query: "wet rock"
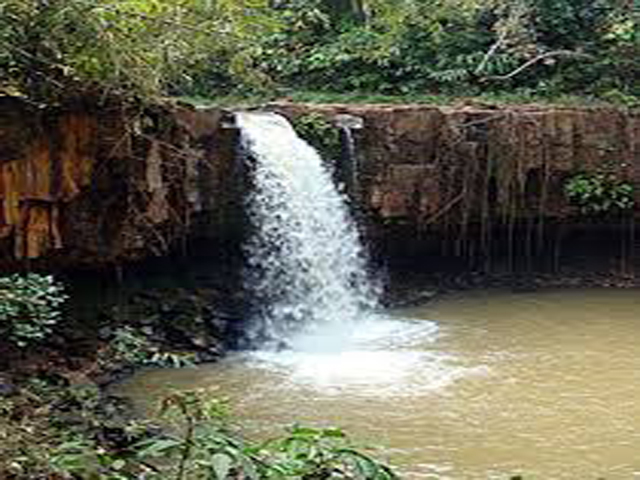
[[149, 331], [7, 387], [105, 333], [201, 341], [435, 169], [523, 285], [103, 171], [207, 357], [403, 296], [194, 320]]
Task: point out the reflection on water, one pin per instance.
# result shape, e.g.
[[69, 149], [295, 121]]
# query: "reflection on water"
[[487, 385]]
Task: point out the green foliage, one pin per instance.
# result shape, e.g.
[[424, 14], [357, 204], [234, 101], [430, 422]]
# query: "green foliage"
[[321, 453], [516, 97], [462, 46], [76, 432], [132, 348], [402, 47], [52, 432], [29, 307], [319, 132], [204, 447], [81, 458], [50, 50], [599, 193], [53, 49], [201, 445]]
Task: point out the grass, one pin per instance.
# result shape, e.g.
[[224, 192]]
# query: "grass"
[[362, 98]]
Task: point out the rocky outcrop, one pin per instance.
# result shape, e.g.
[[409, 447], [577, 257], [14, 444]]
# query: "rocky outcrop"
[[99, 185], [419, 162], [96, 184], [472, 179]]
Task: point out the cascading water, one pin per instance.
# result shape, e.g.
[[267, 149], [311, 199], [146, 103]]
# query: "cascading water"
[[445, 404], [307, 275], [350, 160], [306, 266]]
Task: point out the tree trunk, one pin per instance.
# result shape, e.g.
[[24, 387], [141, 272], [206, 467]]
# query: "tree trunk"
[[347, 9]]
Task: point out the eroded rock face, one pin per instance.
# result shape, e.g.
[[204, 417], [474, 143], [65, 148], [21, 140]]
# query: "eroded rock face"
[[90, 185], [417, 160], [471, 176]]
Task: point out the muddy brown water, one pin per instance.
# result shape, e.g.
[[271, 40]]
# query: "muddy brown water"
[[482, 385]]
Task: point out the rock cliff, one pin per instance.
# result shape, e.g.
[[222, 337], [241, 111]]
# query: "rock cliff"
[[89, 185], [93, 185]]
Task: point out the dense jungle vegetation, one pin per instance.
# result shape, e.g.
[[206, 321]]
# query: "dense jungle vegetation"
[[54, 49]]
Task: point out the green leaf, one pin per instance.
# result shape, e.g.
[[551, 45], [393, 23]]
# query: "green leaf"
[[221, 464], [118, 464], [159, 447]]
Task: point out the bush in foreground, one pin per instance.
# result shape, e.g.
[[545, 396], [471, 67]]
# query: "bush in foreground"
[[77, 433]]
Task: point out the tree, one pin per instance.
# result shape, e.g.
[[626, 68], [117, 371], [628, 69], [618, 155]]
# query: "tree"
[[51, 49], [347, 9]]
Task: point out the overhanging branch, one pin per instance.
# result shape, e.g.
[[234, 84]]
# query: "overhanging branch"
[[539, 58]]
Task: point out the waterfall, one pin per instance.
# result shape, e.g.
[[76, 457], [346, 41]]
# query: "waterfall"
[[306, 267], [349, 164], [350, 161]]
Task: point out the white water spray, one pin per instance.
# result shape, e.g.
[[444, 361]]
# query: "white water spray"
[[307, 269]]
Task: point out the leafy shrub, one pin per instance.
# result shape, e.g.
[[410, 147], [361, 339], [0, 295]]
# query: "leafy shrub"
[[47, 431], [204, 447], [132, 348], [57, 48], [321, 453], [60, 48], [599, 193], [320, 133], [54, 432], [29, 307], [464, 48]]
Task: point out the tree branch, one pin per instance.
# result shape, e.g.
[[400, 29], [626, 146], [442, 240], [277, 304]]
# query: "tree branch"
[[539, 58], [490, 53]]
